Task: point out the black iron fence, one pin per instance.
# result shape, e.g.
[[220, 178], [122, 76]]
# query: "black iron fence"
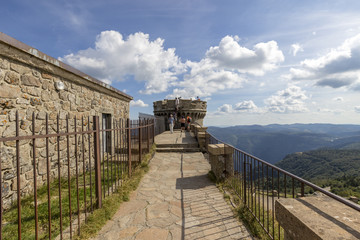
[[258, 184], [53, 178]]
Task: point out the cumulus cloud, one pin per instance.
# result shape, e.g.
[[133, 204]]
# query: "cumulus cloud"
[[295, 48], [115, 59], [290, 100], [227, 66], [246, 106], [338, 99], [138, 103], [241, 107], [339, 67], [225, 108], [204, 79], [357, 109], [231, 55]]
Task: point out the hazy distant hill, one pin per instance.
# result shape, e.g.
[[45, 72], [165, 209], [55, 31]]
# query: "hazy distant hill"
[[338, 169], [273, 142], [322, 163]]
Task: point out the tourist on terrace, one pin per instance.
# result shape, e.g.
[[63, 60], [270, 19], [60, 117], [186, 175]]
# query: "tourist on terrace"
[[171, 123], [182, 121]]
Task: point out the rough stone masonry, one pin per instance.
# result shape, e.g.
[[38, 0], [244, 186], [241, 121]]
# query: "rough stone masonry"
[[28, 83]]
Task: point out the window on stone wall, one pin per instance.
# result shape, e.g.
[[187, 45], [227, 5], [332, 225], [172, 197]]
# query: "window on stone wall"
[[106, 124]]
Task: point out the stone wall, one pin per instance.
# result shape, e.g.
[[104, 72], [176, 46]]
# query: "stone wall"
[[28, 80]]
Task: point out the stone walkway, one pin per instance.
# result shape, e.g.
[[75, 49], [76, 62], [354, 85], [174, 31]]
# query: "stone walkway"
[[175, 200]]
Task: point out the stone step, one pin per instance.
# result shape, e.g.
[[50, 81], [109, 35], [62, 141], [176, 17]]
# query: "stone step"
[[177, 145], [177, 149]]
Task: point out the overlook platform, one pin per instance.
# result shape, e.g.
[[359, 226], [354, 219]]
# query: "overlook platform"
[[175, 199]]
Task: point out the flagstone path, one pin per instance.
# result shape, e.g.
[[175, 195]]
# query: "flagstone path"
[[175, 200]]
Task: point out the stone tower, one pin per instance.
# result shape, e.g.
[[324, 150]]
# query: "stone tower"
[[196, 109]]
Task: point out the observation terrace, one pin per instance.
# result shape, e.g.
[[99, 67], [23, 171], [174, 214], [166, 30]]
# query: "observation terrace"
[[176, 200]]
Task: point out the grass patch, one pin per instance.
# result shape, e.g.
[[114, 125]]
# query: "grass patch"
[[111, 204], [232, 189], [94, 221]]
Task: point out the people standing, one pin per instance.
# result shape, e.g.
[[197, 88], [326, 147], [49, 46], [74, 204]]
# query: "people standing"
[[188, 120], [182, 122], [171, 123]]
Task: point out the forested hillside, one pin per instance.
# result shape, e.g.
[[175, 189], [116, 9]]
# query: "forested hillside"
[[273, 142], [337, 168]]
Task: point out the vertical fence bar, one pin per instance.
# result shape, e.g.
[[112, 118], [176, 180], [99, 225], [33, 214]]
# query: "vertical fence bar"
[[114, 156], [285, 183], [59, 173], [1, 201], [278, 196], [140, 140], [18, 175], [111, 161], [77, 175], [84, 170], [35, 178], [97, 161], [107, 155], [267, 193], [263, 195], [302, 189], [48, 173], [272, 202], [69, 174], [90, 168], [129, 145], [245, 182], [148, 135], [117, 174]]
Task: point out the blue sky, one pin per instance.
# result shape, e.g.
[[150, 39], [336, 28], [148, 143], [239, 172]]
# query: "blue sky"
[[254, 62]]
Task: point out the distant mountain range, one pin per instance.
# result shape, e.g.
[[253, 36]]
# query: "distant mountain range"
[[273, 142]]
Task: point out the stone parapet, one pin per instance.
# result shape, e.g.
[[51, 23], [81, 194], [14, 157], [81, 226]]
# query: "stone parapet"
[[221, 160], [317, 217]]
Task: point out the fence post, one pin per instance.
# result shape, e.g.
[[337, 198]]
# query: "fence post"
[[140, 140], [96, 127], [148, 134], [245, 180], [129, 145]]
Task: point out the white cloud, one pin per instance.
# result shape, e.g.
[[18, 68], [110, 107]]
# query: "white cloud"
[[204, 79], [225, 108], [290, 100], [357, 109], [334, 111], [115, 59], [337, 68], [248, 106], [295, 48], [230, 55], [138, 103], [241, 107], [227, 67], [338, 99]]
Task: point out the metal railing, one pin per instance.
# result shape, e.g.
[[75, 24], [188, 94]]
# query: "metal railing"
[[258, 184], [64, 168]]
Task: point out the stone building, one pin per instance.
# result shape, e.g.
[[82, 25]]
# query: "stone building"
[[31, 81], [196, 109]]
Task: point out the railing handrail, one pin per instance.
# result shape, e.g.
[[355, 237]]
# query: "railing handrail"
[[315, 187]]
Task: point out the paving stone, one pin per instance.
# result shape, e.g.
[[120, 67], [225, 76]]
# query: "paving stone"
[[153, 234], [175, 200]]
